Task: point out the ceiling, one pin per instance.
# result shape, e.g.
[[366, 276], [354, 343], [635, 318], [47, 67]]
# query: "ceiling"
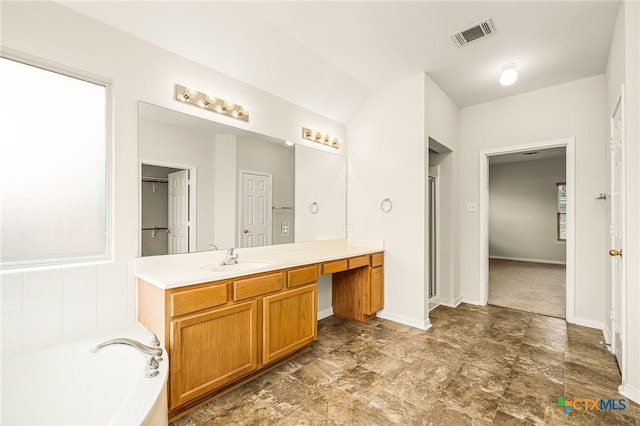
[[329, 56]]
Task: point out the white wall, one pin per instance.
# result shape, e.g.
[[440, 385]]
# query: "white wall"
[[442, 123], [386, 155], [523, 209], [163, 143], [225, 181], [321, 177], [51, 34], [568, 110]]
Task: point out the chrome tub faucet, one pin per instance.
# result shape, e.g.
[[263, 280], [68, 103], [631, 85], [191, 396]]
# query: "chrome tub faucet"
[[152, 363]]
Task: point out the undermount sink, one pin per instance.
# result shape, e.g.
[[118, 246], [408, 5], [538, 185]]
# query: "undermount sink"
[[238, 267]]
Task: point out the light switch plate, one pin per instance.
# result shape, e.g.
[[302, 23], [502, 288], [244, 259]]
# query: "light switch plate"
[[472, 207]]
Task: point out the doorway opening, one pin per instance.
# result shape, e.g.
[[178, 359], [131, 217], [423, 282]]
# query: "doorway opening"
[[527, 231], [167, 210], [494, 241]]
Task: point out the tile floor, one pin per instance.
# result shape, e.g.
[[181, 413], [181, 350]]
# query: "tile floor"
[[476, 365]]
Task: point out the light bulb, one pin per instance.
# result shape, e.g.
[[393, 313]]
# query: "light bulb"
[[206, 101], [509, 75], [190, 92]]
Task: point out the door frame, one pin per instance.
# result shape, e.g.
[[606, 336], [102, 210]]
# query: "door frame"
[[192, 199], [434, 171], [240, 208], [569, 144]]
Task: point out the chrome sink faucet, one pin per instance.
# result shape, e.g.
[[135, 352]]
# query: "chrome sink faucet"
[[231, 259]]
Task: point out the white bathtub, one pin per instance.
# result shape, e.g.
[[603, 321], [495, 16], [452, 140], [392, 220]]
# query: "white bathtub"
[[68, 385]]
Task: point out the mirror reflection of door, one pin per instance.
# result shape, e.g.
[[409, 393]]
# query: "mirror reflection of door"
[[178, 212], [255, 209]]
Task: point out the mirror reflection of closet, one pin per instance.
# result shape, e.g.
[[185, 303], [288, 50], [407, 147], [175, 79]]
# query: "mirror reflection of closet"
[[155, 209]]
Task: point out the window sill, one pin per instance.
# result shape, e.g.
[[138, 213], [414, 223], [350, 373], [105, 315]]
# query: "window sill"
[[564, 242]]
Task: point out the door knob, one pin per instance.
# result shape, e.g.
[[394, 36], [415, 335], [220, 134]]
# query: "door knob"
[[246, 231], [614, 252]]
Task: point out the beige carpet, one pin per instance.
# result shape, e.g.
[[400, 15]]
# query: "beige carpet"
[[531, 287]]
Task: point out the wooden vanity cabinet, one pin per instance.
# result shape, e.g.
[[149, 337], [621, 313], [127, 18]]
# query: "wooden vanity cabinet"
[[358, 293], [220, 334], [223, 333], [290, 321], [203, 355]]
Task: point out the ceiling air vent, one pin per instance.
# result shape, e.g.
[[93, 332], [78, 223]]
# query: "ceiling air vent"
[[474, 32]]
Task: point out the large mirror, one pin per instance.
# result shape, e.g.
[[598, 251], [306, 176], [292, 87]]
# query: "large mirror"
[[206, 185]]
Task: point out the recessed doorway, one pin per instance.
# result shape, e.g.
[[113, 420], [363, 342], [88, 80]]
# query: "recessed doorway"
[[567, 218]]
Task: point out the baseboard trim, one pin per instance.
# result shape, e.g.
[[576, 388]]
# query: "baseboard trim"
[[471, 301], [599, 325], [607, 335], [423, 325], [631, 392], [451, 303], [325, 313], [521, 259]]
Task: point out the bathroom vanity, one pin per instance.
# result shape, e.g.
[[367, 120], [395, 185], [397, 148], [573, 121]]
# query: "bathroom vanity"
[[224, 325]]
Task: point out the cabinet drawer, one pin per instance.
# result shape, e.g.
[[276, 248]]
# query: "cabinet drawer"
[[337, 266], [197, 299], [301, 276], [357, 262], [377, 259], [257, 286]]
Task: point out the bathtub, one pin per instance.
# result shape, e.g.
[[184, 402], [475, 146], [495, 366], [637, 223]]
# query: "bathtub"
[[66, 384]]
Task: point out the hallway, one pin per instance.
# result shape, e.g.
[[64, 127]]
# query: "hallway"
[[476, 365]]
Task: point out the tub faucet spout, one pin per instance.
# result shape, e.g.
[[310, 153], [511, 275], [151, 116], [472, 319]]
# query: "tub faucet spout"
[[147, 350]]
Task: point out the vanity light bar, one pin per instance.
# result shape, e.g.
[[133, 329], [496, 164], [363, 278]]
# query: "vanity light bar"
[[320, 138], [202, 100]]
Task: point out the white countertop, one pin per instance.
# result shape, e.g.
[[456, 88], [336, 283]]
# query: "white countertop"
[[179, 270]]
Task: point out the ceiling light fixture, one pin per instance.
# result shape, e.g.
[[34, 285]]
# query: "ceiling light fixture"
[[319, 137], [202, 100], [509, 75]]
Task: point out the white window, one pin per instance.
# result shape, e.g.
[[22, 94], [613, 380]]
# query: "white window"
[[561, 215], [53, 167]]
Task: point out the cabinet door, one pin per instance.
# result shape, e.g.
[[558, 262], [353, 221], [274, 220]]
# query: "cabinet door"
[[211, 349], [290, 321], [376, 291]]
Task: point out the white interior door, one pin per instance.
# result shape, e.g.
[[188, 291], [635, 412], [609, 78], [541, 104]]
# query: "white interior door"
[[616, 227], [178, 212], [255, 206]]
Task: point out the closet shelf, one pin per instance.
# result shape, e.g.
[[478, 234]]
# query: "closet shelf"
[[154, 180]]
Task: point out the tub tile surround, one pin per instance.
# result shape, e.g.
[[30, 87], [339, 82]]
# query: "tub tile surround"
[[49, 305]]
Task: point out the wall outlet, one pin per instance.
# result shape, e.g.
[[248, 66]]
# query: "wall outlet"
[[284, 229], [472, 207], [349, 226]]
